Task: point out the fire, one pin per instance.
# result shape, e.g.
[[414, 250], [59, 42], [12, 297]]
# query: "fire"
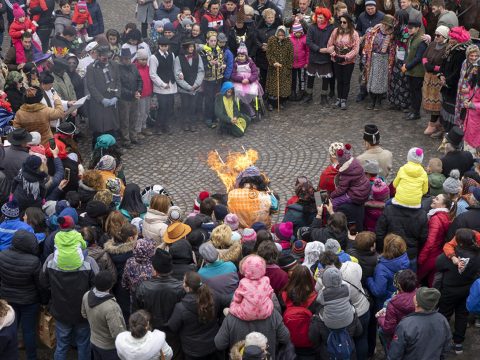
[[229, 169]]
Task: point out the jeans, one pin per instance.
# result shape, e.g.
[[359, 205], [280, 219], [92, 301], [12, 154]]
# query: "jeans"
[[343, 74], [415, 86], [27, 317], [81, 337], [361, 342]]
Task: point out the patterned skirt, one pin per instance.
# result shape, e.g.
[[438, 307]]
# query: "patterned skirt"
[[398, 94], [432, 101], [378, 77]]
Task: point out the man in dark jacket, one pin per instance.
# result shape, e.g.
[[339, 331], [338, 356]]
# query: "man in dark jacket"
[[469, 219], [455, 157], [167, 10], [67, 289], [95, 11], [65, 39], [11, 55], [369, 18], [159, 295], [410, 224], [20, 286], [45, 22], [424, 334], [16, 153]]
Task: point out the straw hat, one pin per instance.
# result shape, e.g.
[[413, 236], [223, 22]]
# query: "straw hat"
[[176, 231]]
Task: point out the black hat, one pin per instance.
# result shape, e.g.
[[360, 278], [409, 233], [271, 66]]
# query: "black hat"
[[414, 23], [162, 261], [66, 128], [31, 164], [220, 212], [371, 134], [455, 136], [162, 40], [187, 42], [19, 137], [104, 50], [96, 209], [125, 52], [287, 262], [60, 63], [347, 16], [104, 280]]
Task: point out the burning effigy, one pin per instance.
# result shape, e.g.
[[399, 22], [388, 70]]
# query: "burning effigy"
[[247, 188]]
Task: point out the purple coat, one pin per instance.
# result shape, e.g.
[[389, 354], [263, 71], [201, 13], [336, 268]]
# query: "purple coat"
[[398, 307], [351, 180], [253, 74]]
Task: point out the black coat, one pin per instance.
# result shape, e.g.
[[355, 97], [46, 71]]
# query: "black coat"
[[454, 283], [451, 67], [410, 224], [367, 260], [469, 219], [131, 81], [46, 19], [322, 234], [182, 258], [264, 33], [461, 160], [19, 272], [317, 39], [15, 97], [246, 35], [60, 42]]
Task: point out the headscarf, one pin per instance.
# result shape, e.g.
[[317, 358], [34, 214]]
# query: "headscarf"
[[13, 77], [281, 28], [313, 250], [132, 200], [106, 163], [105, 141]]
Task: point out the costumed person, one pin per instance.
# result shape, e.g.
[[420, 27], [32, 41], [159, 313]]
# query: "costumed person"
[[245, 80], [82, 19], [227, 110], [471, 126], [280, 62], [378, 58]]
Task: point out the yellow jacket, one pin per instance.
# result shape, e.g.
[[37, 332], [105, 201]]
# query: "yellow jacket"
[[411, 184]]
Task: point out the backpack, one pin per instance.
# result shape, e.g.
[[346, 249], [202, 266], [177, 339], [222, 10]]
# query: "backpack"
[[339, 344], [297, 320]]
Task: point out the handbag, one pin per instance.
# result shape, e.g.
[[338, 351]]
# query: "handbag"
[[463, 111], [367, 296], [46, 328]]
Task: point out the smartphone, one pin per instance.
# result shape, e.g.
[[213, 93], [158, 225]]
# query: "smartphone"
[[66, 174], [324, 196], [52, 143], [318, 198]]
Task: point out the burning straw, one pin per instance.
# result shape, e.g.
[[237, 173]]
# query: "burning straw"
[[227, 170]]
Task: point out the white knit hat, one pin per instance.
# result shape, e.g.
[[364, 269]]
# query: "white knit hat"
[[442, 30]]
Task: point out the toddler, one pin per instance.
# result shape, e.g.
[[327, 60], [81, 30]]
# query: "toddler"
[[81, 18], [32, 4], [300, 61], [253, 298], [20, 25], [374, 206], [435, 177], [411, 182], [69, 243]]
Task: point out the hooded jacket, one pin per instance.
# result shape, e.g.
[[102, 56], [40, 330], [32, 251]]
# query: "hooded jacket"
[[139, 267], [146, 348], [353, 182], [69, 245], [411, 183], [182, 258], [155, 225], [8, 228]]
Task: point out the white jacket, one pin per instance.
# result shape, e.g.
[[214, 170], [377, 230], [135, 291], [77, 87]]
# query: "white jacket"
[[159, 87], [146, 348], [154, 225]]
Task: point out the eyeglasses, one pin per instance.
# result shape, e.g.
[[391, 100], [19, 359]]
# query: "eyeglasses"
[[343, 22]]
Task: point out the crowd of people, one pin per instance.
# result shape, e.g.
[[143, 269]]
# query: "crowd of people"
[[369, 256]]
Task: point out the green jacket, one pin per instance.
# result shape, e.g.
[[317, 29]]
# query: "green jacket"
[[225, 120], [64, 87], [416, 48], [69, 245]]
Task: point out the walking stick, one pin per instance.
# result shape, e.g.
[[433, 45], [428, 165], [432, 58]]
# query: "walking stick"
[[278, 89]]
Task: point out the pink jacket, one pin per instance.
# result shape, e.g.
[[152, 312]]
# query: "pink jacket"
[[471, 126], [253, 298], [344, 42], [301, 51]]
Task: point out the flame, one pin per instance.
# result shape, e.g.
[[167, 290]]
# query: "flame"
[[229, 169]]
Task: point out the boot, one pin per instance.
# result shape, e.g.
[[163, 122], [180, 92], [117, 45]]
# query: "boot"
[[300, 95], [373, 103], [431, 128], [337, 103], [308, 98], [293, 96], [323, 100]]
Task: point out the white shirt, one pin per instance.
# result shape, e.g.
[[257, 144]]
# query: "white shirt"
[[49, 93]]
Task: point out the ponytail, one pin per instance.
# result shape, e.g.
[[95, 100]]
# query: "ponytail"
[[451, 204], [206, 308]]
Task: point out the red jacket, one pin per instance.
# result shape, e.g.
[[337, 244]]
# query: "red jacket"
[[327, 178], [81, 18], [437, 230], [398, 307], [147, 89], [16, 28]]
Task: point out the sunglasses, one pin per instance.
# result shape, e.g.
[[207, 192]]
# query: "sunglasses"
[[343, 22]]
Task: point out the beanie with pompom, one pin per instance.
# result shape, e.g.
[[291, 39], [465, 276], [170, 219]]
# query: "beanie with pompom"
[[343, 155], [453, 185], [66, 222], [17, 11], [415, 155]]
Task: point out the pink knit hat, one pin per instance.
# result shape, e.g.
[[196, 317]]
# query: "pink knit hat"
[[248, 235], [343, 155], [284, 231], [459, 34], [380, 190], [82, 4], [232, 221], [17, 11]]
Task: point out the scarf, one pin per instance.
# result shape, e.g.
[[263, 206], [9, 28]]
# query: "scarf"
[[228, 103], [30, 188], [456, 47]]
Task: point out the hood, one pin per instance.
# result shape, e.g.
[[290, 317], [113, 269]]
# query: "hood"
[[94, 300], [181, 252], [233, 253], [26, 244], [114, 248], [253, 267], [155, 217], [435, 180], [144, 250], [352, 167], [396, 264], [32, 107], [332, 277], [69, 239], [8, 319], [236, 353], [413, 169], [84, 187], [144, 348]]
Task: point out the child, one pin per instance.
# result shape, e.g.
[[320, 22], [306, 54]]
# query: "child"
[[69, 243], [20, 25], [144, 102], [36, 3], [81, 19], [301, 52], [411, 182], [245, 79], [371, 169], [253, 298], [113, 37], [435, 177], [374, 207]]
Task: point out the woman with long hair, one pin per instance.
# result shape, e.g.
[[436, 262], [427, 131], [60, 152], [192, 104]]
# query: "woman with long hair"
[[303, 211], [155, 221], [195, 319], [343, 47], [132, 204], [35, 217], [113, 225], [336, 229]]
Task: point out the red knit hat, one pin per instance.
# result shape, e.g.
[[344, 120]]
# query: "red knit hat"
[[202, 196], [66, 222], [284, 231]]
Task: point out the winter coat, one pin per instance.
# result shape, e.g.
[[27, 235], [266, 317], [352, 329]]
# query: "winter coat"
[[228, 61], [95, 11], [220, 276], [105, 319], [301, 51], [131, 81], [19, 272], [473, 300], [281, 52], [208, 22], [438, 225], [86, 194], [228, 250], [16, 28], [416, 49], [145, 11], [37, 117], [469, 220], [451, 67], [68, 244], [64, 87], [263, 33], [139, 267], [151, 346], [300, 215], [322, 234], [61, 21], [102, 119], [381, 284], [383, 156], [234, 330], [278, 277], [421, 336], [471, 125], [46, 16], [59, 42], [411, 183], [367, 259], [8, 228], [327, 178], [154, 225], [373, 211], [15, 96], [454, 283], [8, 334], [352, 275], [353, 182], [147, 84], [458, 159], [170, 14], [365, 21], [237, 77], [182, 258], [103, 260], [318, 39], [410, 224], [399, 306], [247, 35]]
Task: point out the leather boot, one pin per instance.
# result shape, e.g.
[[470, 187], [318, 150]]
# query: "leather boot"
[[431, 128], [308, 98]]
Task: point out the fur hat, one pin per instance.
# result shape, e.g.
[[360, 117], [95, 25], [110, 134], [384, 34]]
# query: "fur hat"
[[415, 155], [453, 185], [343, 155], [380, 190], [459, 34], [371, 134], [17, 11], [10, 209]]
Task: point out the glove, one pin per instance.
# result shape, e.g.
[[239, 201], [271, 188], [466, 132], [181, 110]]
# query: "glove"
[[106, 102], [113, 101]]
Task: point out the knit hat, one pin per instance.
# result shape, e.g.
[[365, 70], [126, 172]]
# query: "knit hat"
[[370, 3], [380, 190], [31, 164], [249, 235], [82, 4], [344, 154], [371, 167], [168, 27], [107, 162], [459, 34], [208, 252], [36, 138], [371, 133], [162, 261], [96, 209], [443, 31], [142, 54], [298, 249], [242, 49], [333, 246], [236, 236], [222, 37], [60, 206], [427, 298], [66, 222], [257, 226], [284, 231], [253, 352], [174, 214], [287, 262], [105, 141], [10, 209], [332, 149], [202, 196], [297, 27], [232, 221], [453, 185], [17, 11], [415, 155], [186, 21], [220, 211], [304, 233], [332, 277]]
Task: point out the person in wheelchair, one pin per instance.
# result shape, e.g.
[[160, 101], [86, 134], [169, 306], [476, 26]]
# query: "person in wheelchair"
[[227, 111]]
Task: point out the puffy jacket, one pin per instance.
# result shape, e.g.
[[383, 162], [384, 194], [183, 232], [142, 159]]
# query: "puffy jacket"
[[397, 308], [95, 11], [155, 225], [469, 220], [301, 51], [437, 230], [411, 183], [318, 39], [373, 210], [473, 300], [8, 228], [19, 272], [228, 61], [300, 215], [353, 182], [381, 284], [327, 178], [367, 259], [410, 224], [454, 283]]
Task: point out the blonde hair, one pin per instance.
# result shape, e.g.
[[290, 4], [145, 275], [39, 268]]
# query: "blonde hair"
[[393, 246], [160, 203], [221, 236], [3, 308], [340, 5], [268, 12]]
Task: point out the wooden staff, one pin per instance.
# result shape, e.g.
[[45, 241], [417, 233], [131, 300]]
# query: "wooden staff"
[[278, 88]]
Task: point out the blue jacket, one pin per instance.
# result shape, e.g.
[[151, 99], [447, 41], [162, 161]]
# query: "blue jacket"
[[162, 13], [227, 60], [381, 284], [98, 26], [473, 299], [8, 228]]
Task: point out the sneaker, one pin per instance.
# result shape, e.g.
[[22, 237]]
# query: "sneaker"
[[458, 348], [343, 104], [337, 103], [477, 322]]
